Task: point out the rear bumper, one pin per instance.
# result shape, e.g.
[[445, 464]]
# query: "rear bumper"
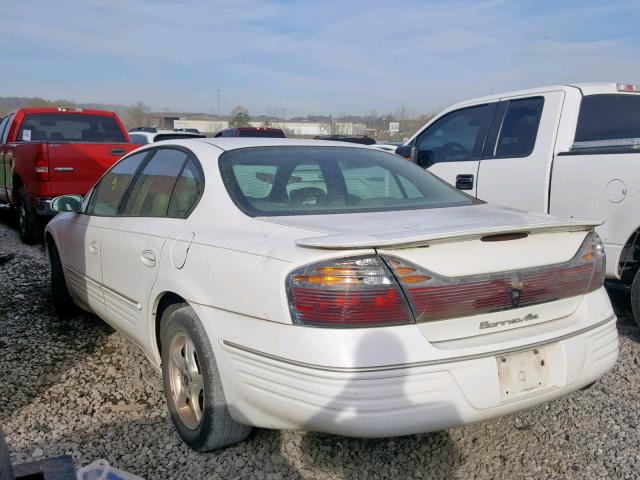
[[399, 400]]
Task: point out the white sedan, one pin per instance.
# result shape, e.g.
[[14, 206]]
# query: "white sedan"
[[329, 287]]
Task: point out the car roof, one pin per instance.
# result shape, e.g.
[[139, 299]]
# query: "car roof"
[[586, 88], [234, 143]]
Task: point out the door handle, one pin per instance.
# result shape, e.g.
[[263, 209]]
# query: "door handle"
[[148, 257], [464, 182], [93, 247]]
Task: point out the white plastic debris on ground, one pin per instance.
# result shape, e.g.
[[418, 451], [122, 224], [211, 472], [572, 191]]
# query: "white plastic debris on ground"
[[101, 470]]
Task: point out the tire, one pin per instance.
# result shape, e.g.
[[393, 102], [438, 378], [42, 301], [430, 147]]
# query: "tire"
[[30, 226], [6, 470], [635, 297], [62, 302], [181, 332]]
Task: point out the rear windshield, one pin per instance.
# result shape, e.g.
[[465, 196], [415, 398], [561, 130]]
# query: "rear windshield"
[[70, 127], [261, 133], [608, 117], [268, 181]]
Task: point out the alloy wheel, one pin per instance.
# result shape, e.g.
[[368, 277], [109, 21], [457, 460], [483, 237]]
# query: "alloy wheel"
[[185, 378]]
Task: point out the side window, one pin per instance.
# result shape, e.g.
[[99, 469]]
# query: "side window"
[[3, 125], [138, 139], [186, 192], [519, 128], [151, 192], [458, 136], [107, 194], [5, 134]]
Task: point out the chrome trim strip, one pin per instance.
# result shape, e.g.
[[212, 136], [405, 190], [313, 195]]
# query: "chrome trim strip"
[[419, 364]]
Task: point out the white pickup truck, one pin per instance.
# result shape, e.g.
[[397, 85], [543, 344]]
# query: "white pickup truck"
[[567, 150]]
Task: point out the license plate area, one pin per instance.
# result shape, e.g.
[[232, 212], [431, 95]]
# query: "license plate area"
[[523, 372]]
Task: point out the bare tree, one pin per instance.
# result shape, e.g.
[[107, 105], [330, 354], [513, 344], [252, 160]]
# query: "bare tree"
[[138, 114], [239, 109]]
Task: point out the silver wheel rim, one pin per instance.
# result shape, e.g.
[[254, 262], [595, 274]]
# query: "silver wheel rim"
[[185, 378]]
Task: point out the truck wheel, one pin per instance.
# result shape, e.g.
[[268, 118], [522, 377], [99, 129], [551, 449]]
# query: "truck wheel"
[[635, 297], [29, 225], [6, 470], [62, 302], [192, 384]]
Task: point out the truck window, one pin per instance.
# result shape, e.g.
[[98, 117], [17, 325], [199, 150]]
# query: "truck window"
[[3, 125], [519, 128], [458, 136], [5, 134], [608, 117], [70, 127]]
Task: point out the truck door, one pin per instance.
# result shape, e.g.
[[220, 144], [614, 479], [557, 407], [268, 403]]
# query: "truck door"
[[516, 165], [451, 146]]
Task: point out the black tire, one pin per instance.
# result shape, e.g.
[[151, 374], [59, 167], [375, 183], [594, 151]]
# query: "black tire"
[[215, 428], [635, 297], [6, 470], [62, 302], [30, 226]]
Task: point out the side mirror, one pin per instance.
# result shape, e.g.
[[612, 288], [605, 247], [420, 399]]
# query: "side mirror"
[[422, 158], [404, 151], [67, 203]]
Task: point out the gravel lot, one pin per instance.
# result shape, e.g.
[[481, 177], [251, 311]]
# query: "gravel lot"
[[82, 389]]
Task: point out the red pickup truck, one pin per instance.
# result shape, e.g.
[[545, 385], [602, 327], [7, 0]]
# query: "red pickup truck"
[[46, 152]]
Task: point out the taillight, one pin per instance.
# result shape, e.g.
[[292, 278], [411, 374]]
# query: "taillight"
[[347, 292], [42, 164], [435, 297]]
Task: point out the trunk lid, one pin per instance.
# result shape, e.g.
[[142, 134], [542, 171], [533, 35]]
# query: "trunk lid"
[[402, 229]]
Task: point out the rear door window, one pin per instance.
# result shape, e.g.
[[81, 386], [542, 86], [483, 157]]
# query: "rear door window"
[[608, 117], [70, 127], [187, 190], [109, 192], [519, 129], [151, 192], [458, 136]]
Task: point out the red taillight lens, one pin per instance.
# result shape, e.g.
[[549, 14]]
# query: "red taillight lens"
[[42, 165], [348, 292], [438, 298]]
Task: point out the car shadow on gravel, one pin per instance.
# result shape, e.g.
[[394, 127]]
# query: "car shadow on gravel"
[[36, 348], [429, 455]]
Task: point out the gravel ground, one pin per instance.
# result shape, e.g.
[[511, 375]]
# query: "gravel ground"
[[80, 388]]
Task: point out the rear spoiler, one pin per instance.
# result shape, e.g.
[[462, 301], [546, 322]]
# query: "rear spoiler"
[[413, 238]]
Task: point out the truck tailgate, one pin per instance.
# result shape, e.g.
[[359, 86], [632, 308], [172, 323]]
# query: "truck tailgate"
[[75, 167]]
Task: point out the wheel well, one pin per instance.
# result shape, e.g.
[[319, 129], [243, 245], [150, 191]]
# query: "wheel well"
[[49, 242], [630, 258], [167, 299], [17, 183]]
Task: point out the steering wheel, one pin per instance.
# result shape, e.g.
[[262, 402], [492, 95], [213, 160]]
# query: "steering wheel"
[[452, 149], [307, 195]]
